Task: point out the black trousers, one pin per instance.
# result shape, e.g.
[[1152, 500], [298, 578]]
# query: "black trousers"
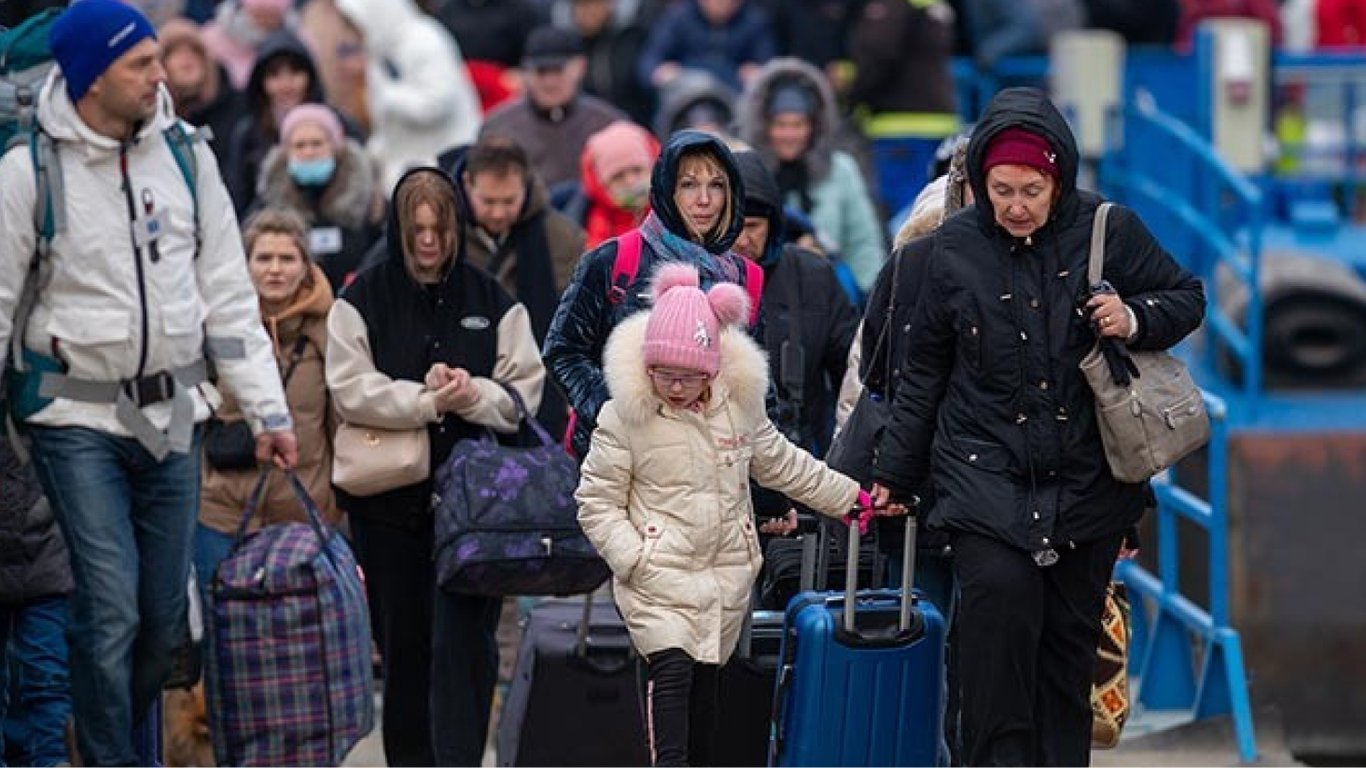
[[440, 651], [1027, 640], [680, 709]]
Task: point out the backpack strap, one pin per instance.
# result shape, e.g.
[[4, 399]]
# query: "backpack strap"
[[181, 140], [754, 286], [625, 265]]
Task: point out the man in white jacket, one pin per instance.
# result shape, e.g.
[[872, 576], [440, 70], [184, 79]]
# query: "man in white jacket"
[[139, 277]]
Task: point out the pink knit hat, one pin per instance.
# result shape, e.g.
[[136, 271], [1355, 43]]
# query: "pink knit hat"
[[684, 329], [279, 6], [621, 145], [320, 115]]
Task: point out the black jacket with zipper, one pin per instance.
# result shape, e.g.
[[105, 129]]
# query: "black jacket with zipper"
[[992, 408]]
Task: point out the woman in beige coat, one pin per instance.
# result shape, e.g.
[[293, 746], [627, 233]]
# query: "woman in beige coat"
[[664, 494]]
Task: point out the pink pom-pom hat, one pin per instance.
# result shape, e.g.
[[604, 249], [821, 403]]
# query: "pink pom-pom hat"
[[684, 329]]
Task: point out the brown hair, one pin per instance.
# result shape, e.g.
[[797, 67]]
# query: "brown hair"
[[276, 221], [497, 155], [428, 186], [708, 159]]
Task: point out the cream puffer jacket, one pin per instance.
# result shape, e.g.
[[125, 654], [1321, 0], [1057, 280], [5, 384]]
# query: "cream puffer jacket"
[[665, 498]]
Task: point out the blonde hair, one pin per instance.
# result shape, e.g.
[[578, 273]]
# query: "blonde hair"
[[705, 158], [431, 188], [276, 221]]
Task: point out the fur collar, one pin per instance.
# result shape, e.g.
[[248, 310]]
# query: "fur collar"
[[351, 200], [743, 378]]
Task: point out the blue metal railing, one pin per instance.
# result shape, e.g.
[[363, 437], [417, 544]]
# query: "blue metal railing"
[[1168, 627], [1203, 211]]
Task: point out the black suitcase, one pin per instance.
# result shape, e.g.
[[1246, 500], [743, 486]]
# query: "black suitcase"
[[574, 695]]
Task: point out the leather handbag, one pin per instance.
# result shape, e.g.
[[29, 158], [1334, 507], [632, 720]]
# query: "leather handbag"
[[853, 449], [1110, 681], [1150, 412], [368, 460], [506, 520]]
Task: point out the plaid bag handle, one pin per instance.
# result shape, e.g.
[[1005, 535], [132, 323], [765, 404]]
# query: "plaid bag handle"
[[258, 494]]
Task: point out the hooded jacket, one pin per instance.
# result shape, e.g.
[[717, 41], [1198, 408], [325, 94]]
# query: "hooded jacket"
[[835, 195], [664, 495], [802, 301], [385, 332], [586, 316], [991, 408], [345, 216], [257, 130], [418, 92], [33, 557], [224, 493], [602, 217], [688, 90], [111, 310]]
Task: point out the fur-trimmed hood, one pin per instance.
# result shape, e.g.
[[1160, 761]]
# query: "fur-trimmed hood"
[[743, 378], [351, 199], [752, 118]]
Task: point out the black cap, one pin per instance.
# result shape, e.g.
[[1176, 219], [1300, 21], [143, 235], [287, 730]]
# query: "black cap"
[[550, 47]]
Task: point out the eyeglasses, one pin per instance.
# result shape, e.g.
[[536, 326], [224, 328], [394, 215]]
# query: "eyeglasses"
[[669, 378]]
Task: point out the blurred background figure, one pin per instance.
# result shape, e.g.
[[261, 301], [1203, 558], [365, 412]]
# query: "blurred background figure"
[[612, 38], [492, 35], [418, 93], [239, 29], [612, 194], [815, 31], [903, 88], [553, 120], [730, 39], [204, 97], [331, 183], [1000, 28], [339, 54], [283, 78], [159, 11], [1195, 11], [788, 115], [695, 100]]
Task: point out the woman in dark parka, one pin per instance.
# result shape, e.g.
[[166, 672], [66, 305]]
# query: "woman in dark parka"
[[993, 412]]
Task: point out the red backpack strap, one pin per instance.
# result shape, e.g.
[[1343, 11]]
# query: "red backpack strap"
[[625, 265], [754, 286]]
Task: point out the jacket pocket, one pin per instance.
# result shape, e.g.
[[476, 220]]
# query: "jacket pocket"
[[182, 318], [982, 454]]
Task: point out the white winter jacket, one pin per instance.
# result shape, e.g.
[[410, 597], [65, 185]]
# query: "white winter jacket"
[[110, 311], [664, 496], [418, 91]]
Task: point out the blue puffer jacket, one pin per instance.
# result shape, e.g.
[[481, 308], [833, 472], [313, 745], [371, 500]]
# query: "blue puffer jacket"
[[585, 317], [684, 35]]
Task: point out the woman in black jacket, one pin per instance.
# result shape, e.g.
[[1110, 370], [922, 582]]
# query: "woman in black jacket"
[[993, 413], [425, 340], [592, 305]]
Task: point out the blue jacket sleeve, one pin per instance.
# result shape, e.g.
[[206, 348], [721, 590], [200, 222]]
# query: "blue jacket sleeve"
[[573, 345]]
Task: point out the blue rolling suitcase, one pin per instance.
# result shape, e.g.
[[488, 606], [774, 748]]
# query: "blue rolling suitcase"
[[862, 681]]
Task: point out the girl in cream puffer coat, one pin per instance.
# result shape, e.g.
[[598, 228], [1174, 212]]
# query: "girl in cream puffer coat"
[[665, 498]]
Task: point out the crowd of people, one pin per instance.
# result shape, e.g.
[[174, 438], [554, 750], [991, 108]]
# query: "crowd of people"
[[386, 213]]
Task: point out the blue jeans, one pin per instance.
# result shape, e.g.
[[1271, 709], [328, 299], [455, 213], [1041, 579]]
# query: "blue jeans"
[[35, 688], [210, 548], [128, 520]]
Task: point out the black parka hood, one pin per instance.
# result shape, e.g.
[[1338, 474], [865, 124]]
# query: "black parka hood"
[[1030, 109], [281, 43], [393, 233], [665, 176], [763, 197]]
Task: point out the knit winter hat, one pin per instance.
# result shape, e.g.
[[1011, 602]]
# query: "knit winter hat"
[[621, 145], [1019, 146], [318, 114], [90, 36], [278, 6], [684, 328]]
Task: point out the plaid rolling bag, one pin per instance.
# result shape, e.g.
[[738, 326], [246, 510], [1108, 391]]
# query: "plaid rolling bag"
[[289, 669]]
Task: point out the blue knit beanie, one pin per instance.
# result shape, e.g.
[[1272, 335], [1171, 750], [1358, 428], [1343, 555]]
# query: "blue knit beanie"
[[91, 35]]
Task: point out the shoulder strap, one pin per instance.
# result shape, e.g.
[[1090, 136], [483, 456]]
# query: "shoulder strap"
[[884, 332], [1095, 265], [181, 141], [625, 265], [296, 355], [754, 286], [49, 206]]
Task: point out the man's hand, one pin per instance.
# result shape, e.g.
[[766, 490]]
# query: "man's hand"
[[781, 526], [278, 446]]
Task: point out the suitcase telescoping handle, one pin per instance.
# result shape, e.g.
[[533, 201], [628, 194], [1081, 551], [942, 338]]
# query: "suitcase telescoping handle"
[[601, 661], [907, 575]]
